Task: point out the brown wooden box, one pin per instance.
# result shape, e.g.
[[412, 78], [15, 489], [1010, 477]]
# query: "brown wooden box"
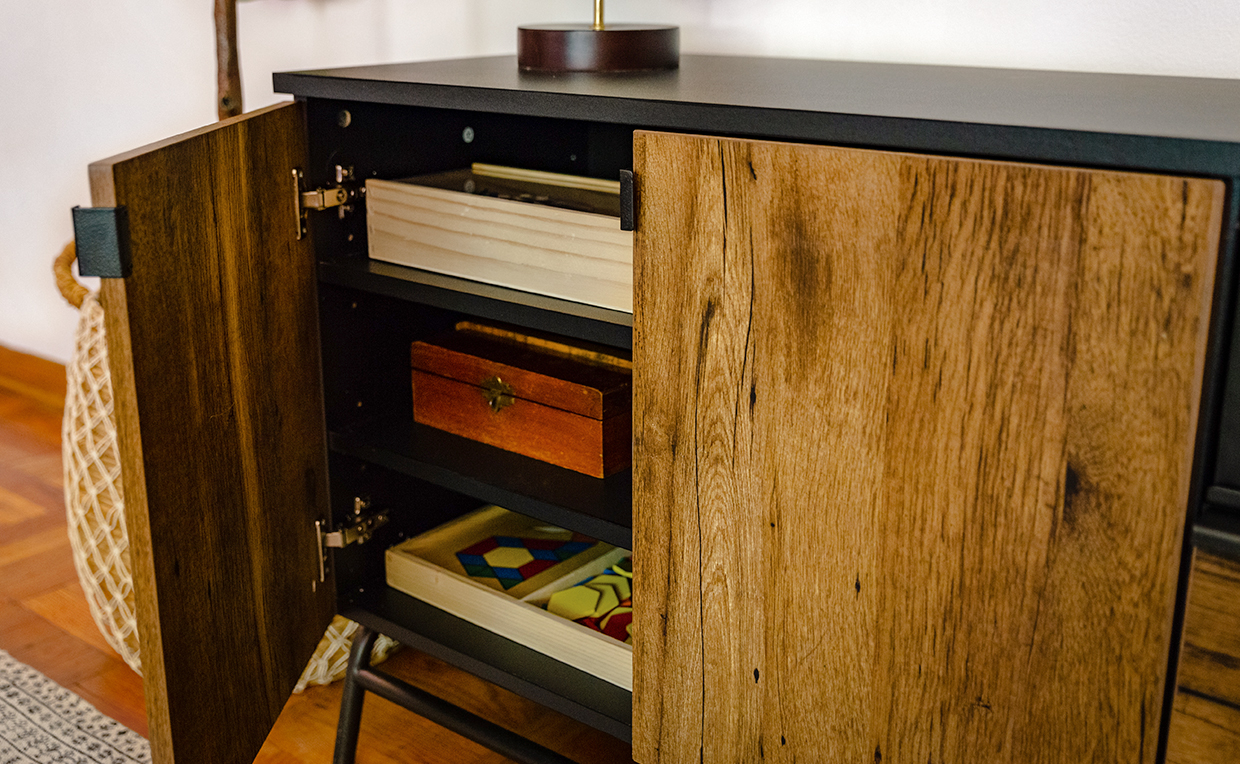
[[536, 396]]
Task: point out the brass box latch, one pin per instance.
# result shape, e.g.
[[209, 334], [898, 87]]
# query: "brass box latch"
[[499, 394]]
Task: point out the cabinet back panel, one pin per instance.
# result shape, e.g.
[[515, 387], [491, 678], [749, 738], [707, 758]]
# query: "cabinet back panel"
[[366, 339], [913, 439]]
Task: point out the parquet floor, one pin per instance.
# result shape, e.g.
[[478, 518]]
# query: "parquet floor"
[[45, 622]]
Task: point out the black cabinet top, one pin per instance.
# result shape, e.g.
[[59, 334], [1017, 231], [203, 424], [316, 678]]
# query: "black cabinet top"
[[1140, 122]]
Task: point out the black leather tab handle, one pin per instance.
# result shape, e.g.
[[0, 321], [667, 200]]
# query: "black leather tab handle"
[[628, 202], [102, 238]]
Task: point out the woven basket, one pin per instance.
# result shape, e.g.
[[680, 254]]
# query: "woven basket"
[[95, 504]]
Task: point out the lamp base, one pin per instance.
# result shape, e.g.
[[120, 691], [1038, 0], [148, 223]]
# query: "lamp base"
[[582, 48]]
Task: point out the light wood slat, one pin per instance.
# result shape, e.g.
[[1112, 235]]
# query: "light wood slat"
[[116, 692], [1203, 732], [1210, 656], [67, 610], [23, 425], [1205, 725], [214, 355], [33, 544], [15, 508], [37, 379], [912, 445]]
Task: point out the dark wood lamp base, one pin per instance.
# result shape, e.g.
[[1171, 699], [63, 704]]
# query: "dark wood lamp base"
[[582, 48]]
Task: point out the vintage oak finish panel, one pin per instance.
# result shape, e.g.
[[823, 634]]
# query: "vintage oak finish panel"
[[912, 449], [1205, 725], [214, 357]]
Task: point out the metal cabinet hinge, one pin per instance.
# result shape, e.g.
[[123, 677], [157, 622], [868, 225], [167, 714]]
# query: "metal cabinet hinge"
[[363, 525], [341, 196]]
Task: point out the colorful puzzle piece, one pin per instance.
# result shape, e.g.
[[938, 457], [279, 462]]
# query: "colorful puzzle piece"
[[511, 560], [619, 583], [616, 624], [607, 600], [603, 602], [574, 603]]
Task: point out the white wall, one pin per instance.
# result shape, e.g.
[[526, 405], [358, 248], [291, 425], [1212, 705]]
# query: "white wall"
[[81, 79]]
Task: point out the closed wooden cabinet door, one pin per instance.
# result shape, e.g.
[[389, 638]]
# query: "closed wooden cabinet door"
[[913, 439]]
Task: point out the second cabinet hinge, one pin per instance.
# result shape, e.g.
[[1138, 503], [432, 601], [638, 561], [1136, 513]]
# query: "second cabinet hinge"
[[341, 196], [362, 526]]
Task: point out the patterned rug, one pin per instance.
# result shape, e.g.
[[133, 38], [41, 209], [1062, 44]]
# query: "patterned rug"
[[43, 723]]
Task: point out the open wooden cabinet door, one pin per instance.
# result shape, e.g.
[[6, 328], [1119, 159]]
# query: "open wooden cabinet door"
[[913, 442], [214, 352]]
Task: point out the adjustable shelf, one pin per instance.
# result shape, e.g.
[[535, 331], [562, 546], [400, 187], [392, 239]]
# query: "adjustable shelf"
[[484, 653], [496, 303], [600, 508]]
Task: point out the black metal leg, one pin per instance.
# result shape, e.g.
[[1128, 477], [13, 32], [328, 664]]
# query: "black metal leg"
[[360, 678], [462, 722], [351, 700]]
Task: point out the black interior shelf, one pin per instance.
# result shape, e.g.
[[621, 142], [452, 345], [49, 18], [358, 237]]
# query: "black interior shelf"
[[602, 508], [513, 306], [486, 654], [1217, 526]]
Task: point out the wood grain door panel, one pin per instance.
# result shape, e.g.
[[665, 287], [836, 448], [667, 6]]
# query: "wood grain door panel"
[[912, 449], [214, 353]]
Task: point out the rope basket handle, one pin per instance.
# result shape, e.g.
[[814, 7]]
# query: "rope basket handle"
[[73, 292]]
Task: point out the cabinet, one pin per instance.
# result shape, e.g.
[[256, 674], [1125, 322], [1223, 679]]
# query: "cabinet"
[[930, 381]]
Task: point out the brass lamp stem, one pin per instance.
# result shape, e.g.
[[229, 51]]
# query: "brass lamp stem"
[[598, 14]]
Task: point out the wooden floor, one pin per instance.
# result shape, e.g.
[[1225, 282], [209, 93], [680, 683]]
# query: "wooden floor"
[[45, 622]]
